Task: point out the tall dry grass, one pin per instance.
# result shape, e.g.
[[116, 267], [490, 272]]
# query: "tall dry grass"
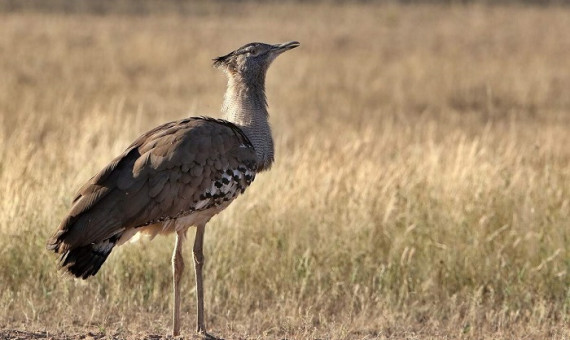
[[421, 187]]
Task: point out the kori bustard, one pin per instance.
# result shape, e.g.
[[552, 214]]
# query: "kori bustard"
[[175, 176]]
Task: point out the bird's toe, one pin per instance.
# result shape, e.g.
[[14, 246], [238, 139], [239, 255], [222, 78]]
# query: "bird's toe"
[[206, 336]]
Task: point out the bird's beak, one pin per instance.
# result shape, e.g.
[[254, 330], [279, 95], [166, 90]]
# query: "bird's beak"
[[280, 48]]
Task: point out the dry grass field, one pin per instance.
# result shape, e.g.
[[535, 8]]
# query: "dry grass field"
[[421, 188]]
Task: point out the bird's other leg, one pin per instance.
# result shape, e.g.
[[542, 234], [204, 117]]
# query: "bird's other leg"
[[198, 264], [177, 269]]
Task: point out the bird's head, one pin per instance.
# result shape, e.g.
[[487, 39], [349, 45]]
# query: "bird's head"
[[252, 60]]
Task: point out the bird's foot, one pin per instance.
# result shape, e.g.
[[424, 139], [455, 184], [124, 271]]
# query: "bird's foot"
[[202, 334]]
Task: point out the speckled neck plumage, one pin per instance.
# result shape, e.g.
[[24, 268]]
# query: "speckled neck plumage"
[[245, 105]]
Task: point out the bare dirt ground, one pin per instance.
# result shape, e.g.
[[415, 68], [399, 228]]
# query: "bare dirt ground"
[[21, 335], [24, 335]]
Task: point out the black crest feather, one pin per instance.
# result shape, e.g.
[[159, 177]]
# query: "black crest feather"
[[219, 61]]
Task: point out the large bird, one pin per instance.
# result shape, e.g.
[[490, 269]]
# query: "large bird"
[[175, 176]]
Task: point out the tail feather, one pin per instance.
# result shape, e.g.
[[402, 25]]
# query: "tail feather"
[[86, 260]]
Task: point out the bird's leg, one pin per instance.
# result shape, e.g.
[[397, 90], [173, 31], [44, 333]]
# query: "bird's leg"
[[177, 269], [198, 263]]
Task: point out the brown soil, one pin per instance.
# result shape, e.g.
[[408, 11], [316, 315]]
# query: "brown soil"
[[25, 335]]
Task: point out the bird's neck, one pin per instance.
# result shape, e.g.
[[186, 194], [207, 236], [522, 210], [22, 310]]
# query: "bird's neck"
[[245, 105]]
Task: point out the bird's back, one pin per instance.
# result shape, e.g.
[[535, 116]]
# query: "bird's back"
[[192, 166]]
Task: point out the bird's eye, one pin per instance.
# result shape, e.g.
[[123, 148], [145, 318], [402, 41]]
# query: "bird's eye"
[[253, 51]]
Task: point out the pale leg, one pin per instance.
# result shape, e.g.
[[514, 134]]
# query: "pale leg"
[[198, 263], [177, 269]]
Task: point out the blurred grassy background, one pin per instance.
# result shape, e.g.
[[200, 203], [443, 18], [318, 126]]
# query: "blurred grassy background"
[[421, 187], [185, 7]]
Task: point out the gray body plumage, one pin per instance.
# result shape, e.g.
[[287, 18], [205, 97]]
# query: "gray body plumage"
[[176, 175]]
